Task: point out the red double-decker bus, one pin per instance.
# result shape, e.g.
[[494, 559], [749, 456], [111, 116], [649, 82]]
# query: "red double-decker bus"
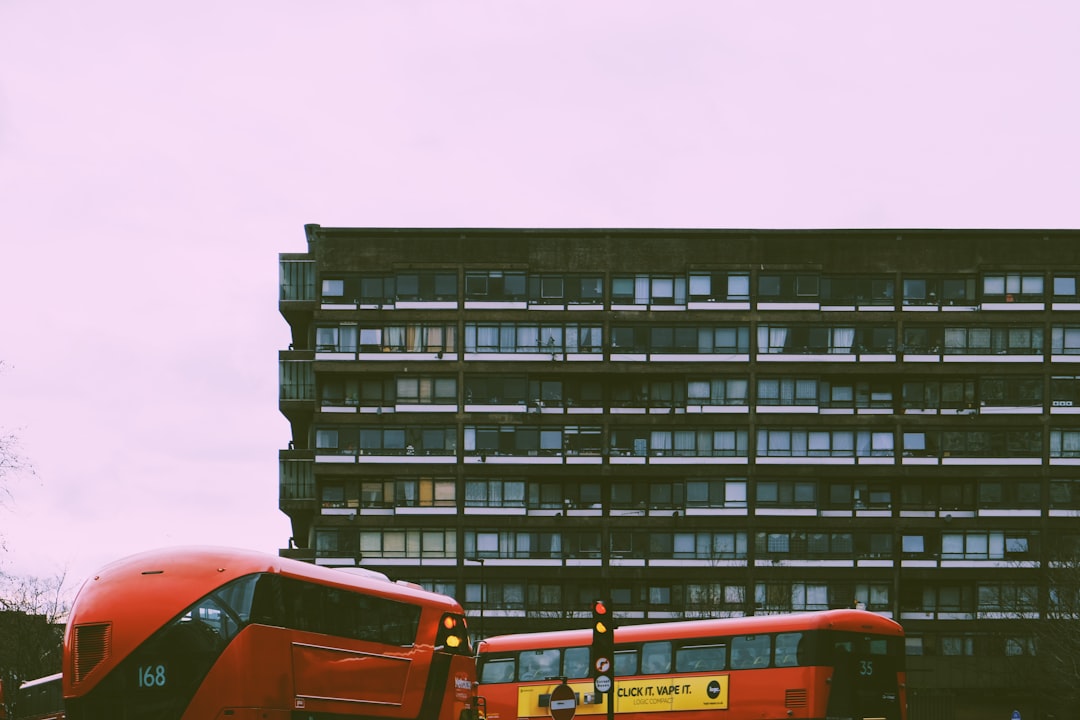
[[829, 664], [203, 633]]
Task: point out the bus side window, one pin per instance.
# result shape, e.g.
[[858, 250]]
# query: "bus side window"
[[576, 662], [497, 670], [626, 662], [701, 658], [750, 651], [656, 658], [787, 649], [538, 664]]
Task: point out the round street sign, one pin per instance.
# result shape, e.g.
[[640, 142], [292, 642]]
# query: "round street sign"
[[602, 665], [602, 683], [562, 703]]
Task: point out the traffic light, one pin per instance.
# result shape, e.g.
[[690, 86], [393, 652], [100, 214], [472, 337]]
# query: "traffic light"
[[603, 633]]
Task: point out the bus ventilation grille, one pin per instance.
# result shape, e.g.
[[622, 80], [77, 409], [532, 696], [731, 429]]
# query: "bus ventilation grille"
[[795, 698], [92, 645]]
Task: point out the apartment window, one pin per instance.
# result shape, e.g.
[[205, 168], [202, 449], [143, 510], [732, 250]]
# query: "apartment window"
[[716, 391], [496, 389], [1064, 443], [1009, 287], [781, 597], [495, 286], [1065, 494], [531, 338], [415, 440], [816, 339], [858, 290], [788, 287], [377, 493], [786, 493], [931, 598], [408, 543], [549, 288], [333, 496], [787, 391], [296, 379], [697, 546], [1012, 340], [913, 545], [860, 496], [1007, 598], [1009, 494], [426, 389], [984, 546], [648, 290], [1065, 391], [932, 394], [1011, 391], [684, 443], [1066, 287], [333, 289], [823, 443], [326, 439], [836, 393], [719, 286], [416, 337], [718, 493], [426, 492], [937, 290], [1065, 339], [975, 443], [804, 544], [709, 597], [296, 280]]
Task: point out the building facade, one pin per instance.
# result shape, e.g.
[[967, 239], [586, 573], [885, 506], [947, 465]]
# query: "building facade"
[[695, 422]]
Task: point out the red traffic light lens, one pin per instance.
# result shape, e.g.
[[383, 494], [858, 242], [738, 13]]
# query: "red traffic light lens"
[[600, 608]]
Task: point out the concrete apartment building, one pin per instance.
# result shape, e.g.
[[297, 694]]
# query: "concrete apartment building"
[[695, 422]]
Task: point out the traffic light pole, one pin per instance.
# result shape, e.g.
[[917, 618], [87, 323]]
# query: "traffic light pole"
[[603, 653]]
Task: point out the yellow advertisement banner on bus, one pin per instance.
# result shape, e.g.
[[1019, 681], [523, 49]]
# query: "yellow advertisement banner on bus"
[[652, 695]]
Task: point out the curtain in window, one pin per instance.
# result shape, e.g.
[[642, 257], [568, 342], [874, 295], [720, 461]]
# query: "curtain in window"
[[326, 338], [433, 338], [772, 339], [684, 442], [528, 338], [862, 444], [347, 338], [698, 391], [725, 442], [842, 338], [507, 338], [787, 392], [487, 338], [641, 290], [414, 338], [395, 338], [660, 440]]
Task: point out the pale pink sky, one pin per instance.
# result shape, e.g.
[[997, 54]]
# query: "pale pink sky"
[[155, 157]]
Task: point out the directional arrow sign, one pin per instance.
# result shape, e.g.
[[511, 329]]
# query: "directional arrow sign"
[[563, 703]]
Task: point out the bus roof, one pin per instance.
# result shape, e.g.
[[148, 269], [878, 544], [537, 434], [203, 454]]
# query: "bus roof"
[[846, 620]]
